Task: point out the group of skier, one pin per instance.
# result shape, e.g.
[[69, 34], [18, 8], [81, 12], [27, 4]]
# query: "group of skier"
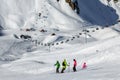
[[65, 65]]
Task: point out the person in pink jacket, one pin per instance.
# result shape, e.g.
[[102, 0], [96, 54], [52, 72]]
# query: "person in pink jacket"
[[84, 65], [74, 65]]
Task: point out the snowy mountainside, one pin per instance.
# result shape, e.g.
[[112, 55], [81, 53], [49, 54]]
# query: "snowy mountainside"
[[17, 14], [25, 14], [59, 33], [103, 62]]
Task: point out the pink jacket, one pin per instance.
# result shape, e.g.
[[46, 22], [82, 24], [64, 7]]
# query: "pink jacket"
[[75, 63], [84, 65]]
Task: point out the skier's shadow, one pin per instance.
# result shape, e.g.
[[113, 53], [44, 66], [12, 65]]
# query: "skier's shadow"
[[96, 13], [40, 62]]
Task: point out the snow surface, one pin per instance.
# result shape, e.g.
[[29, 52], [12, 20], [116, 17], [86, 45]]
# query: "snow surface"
[[34, 59]]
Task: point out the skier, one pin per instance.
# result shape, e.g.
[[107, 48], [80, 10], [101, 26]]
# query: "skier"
[[84, 65], [74, 65], [57, 66], [64, 65]]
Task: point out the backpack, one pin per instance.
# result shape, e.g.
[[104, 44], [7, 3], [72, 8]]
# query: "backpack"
[[63, 64]]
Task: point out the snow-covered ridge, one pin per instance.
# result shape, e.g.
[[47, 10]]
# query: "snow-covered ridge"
[[25, 14], [16, 14]]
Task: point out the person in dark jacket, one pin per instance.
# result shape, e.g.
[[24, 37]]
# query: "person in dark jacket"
[[74, 65], [57, 64]]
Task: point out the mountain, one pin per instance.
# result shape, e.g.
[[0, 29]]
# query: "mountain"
[[25, 14], [34, 34], [20, 14]]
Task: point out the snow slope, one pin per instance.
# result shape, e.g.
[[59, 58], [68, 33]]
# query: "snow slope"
[[88, 42], [101, 56]]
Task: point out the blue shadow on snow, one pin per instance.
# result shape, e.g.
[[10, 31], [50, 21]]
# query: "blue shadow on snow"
[[95, 12]]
